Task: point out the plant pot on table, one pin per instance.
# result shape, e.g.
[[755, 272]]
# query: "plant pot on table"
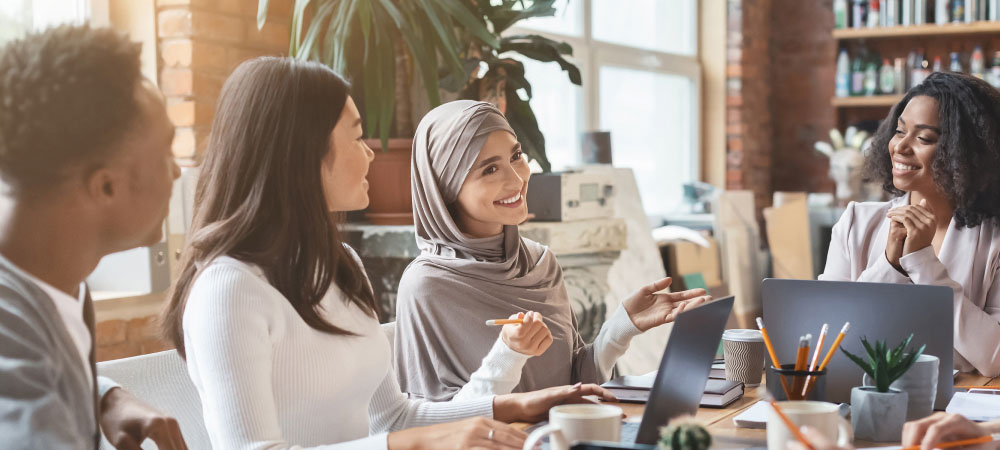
[[878, 416], [390, 201]]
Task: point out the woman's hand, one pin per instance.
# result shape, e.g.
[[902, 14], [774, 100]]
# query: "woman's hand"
[[816, 439], [941, 427], [529, 338], [648, 309], [894, 244], [475, 433], [919, 223], [534, 406]]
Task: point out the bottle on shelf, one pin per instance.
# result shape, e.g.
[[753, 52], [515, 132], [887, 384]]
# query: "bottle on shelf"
[[891, 8], [919, 12], [937, 64], [886, 78], [957, 11], [871, 78], [941, 12], [995, 70], [873, 13], [977, 67], [858, 16], [920, 69], [858, 76], [843, 74], [899, 75], [840, 14], [956, 65]]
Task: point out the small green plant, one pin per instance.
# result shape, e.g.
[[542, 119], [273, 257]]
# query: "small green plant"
[[684, 435], [883, 365]]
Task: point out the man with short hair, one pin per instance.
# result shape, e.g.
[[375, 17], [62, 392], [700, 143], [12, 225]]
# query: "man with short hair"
[[86, 170]]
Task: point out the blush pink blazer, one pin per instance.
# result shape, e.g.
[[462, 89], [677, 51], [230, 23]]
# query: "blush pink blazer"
[[968, 264]]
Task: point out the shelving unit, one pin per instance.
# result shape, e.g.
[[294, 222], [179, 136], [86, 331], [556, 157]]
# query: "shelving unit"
[[951, 29], [866, 102], [897, 41]]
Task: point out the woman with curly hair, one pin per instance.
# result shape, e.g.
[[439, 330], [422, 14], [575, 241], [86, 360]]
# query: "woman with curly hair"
[[938, 153]]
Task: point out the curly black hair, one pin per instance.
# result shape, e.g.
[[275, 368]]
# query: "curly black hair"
[[67, 95], [966, 165]]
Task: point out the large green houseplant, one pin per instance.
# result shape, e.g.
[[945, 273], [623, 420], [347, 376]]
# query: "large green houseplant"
[[504, 82], [384, 46]]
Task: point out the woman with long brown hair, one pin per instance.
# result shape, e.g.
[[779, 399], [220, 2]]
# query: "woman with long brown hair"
[[274, 314]]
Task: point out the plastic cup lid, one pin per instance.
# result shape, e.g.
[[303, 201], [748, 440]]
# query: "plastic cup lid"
[[743, 335]]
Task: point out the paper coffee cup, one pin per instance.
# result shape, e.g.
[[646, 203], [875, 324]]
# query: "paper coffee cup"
[[744, 353]]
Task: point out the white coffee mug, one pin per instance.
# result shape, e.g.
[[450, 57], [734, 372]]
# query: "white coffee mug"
[[571, 423], [822, 416]]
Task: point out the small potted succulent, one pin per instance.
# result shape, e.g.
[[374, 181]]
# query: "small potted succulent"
[[878, 412], [684, 434]]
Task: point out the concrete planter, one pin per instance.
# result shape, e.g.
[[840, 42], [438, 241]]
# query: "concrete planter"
[[920, 384], [878, 416]]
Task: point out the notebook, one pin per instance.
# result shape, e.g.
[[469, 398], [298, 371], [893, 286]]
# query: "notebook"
[[635, 389], [979, 407], [718, 371]]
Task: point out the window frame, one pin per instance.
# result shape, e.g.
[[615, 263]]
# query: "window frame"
[[591, 54]]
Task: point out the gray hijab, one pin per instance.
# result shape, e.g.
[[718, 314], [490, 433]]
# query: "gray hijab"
[[458, 281]]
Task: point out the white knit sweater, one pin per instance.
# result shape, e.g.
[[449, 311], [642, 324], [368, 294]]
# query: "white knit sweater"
[[269, 381]]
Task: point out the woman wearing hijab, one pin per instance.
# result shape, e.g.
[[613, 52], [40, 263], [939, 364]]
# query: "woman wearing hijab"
[[274, 314], [469, 179], [938, 152]]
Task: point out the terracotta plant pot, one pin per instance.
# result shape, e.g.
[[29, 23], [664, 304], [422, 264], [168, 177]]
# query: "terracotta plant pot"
[[389, 183]]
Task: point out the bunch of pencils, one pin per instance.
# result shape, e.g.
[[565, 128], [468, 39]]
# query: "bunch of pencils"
[[802, 385]]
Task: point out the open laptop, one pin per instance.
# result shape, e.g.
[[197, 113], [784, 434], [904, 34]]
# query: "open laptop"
[[683, 373], [876, 311], [684, 368]]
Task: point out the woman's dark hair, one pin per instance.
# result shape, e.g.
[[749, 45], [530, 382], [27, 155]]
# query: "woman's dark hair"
[[260, 198], [966, 166]]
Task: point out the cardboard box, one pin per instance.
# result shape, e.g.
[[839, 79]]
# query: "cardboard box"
[[686, 258]]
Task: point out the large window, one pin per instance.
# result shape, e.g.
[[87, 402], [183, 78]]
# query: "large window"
[[18, 17], [641, 81]]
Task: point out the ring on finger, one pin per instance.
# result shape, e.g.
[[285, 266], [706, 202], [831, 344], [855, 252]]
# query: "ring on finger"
[[490, 436]]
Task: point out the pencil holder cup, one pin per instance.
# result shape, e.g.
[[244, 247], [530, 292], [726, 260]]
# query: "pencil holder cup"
[[787, 383]]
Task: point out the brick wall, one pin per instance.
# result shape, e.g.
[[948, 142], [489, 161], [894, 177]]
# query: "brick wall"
[[749, 125], [780, 76], [200, 42], [802, 81], [120, 338]]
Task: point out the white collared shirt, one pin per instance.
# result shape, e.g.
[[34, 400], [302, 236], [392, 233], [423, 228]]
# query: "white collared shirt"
[[71, 311]]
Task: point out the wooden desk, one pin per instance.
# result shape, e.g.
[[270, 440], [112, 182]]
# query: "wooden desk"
[[719, 421], [728, 429]]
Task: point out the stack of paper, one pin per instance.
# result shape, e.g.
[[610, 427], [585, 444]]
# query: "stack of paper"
[[754, 416], [980, 407]]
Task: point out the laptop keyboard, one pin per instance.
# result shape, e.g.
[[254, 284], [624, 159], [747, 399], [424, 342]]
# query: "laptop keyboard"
[[629, 431]]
